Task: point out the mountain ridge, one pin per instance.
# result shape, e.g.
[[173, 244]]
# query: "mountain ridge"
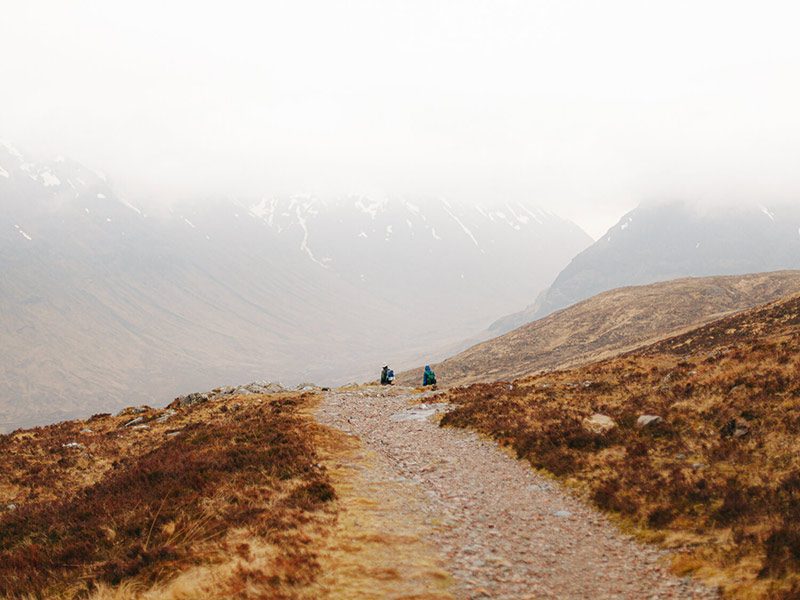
[[608, 324]]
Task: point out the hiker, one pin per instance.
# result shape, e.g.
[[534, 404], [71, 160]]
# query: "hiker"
[[428, 377], [391, 377], [386, 373]]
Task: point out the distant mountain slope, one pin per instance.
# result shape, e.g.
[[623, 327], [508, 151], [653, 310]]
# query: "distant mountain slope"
[[660, 242], [102, 305], [486, 259], [610, 323]]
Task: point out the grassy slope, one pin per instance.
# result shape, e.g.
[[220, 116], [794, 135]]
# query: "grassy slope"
[[729, 505], [608, 324], [228, 507]]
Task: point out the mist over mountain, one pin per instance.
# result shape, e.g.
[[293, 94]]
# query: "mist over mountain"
[[103, 305], [669, 240]]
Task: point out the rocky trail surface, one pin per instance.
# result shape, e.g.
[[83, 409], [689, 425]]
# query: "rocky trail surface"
[[500, 530]]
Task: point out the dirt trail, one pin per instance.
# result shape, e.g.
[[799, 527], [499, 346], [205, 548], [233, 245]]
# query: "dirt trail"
[[498, 528]]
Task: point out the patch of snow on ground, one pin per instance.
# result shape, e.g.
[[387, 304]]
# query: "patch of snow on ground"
[[101, 196], [388, 232], [433, 232], [363, 234], [410, 224], [50, 180], [108, 219], [3, 173], [189, 223], [765, 210], [87, 210], [697, 246]]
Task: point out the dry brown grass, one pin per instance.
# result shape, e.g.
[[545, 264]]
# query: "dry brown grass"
[[377, 548], [729, 506], [231, 507]]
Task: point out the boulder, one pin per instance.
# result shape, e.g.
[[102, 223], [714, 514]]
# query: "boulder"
[[598, 423], [133, 410], [648, 421], [190, 399]]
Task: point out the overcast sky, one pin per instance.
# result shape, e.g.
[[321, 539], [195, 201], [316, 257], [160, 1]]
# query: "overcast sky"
[[585, 107]]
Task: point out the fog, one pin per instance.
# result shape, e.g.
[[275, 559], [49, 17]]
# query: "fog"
[[586, 107]]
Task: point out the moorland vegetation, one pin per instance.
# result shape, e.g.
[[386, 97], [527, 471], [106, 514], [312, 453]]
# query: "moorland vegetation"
[[219, 499], [712, 471]]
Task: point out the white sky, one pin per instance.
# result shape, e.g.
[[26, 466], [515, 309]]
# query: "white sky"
[[587, 107]]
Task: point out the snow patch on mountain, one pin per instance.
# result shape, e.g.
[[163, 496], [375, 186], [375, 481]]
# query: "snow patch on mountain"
[[49, 180], [463, 227], [766, 211], [265, 210], [413, 209], [11, 150], [370, 207], [301, 220], [3, 173], [25, 235]]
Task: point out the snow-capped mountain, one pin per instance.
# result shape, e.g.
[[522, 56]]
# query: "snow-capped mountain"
[[660, 242], [102, 305], [476, 261]]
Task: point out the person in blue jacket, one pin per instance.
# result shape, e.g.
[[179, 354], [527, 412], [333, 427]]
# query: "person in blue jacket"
[[428, 378]]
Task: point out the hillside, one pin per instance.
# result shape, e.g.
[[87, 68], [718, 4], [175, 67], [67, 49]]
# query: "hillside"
[[692, 442], [195, 499], [103, 305], [663, 241], [608, 324]]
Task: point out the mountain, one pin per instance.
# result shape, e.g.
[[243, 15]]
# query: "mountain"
[[104, 305], [608, 324], [485, 259], [664, 241], [659, 242]]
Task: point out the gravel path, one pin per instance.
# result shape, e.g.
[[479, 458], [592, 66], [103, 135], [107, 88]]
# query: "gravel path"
[[505, 532]]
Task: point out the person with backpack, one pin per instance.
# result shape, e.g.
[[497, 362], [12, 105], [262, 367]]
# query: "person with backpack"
[[428, 377], [385, 375]]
